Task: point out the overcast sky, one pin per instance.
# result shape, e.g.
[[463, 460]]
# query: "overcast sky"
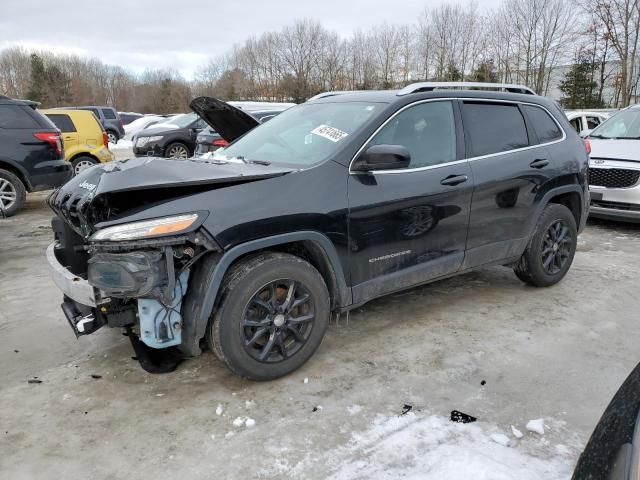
[[183, 34]]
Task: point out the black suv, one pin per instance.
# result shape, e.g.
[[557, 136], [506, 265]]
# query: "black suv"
[[31, 154], [173, 138], [332, 203]]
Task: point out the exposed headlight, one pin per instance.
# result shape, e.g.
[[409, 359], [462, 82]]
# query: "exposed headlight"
[[142, 141], [146, 228]]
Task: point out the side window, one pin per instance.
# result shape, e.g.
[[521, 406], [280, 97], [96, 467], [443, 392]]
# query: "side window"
[[494, 127], [593, 122], [108, 113], [427, 130], [575, 123], [14, 116], [95, 112], [63, 122], [546, 128]]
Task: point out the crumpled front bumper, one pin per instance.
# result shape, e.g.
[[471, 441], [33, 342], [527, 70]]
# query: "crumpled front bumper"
[[74, 287]]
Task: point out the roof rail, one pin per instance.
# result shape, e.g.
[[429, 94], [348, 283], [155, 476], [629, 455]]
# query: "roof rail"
[[431, 86], [331, 94]]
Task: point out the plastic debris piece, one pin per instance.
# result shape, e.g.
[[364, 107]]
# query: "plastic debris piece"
[[536, 426], [460, 417], [34, 380]]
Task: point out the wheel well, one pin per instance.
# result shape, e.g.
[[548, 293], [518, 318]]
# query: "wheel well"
[[312, 253], [17, 173], [571, 200], [82, 154]]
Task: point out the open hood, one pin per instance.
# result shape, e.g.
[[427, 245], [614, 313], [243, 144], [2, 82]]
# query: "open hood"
[[230, 122]]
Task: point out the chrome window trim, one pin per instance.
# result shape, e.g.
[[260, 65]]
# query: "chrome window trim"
[[469, 159]]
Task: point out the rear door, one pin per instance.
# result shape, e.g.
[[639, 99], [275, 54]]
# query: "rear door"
[[510, 169], [70, 136], [409, 226]]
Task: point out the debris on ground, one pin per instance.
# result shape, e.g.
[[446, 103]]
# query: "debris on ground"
[[93, 375], [536, 426], [219, 409], [316, 408], [238, 422], [34, 380], [460, 417], [306, 380], [500, 439], [249, 422], [483, 383], [406, 408], [516, 433]]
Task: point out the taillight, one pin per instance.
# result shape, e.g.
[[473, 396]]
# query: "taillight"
[[105, 140], [587, 146], [220, 142], [52, 139]]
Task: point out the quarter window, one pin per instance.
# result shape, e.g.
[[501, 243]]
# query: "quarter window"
[[63, 122], [546, 128], [14, 116], [427, 130], [109, 114], [494, 127]]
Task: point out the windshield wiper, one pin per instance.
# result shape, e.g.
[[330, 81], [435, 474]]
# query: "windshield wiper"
[[597, 136], [627, 138]]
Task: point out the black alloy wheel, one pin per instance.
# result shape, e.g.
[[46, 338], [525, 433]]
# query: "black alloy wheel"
[[277, 321], [556, 248]]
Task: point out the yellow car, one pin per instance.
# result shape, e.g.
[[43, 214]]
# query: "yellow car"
[[85, 141]]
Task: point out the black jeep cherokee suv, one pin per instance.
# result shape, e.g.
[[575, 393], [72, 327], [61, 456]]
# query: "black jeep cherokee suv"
[[31, 154], [337, 201]]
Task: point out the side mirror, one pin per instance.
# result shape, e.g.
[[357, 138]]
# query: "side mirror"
[[382, 157], [586, 132]]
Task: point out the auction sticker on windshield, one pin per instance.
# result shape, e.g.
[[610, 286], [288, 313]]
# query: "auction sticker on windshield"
[[330, 133]]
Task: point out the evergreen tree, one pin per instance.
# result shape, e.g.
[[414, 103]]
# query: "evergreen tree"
[[37, 85], [485, 72], [578, 87], [58, 87]]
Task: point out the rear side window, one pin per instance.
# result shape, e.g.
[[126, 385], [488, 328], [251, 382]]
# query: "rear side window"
[[546, 128], [15, 116], [494, 128], [109, 114], [94, 111], [63, 122]]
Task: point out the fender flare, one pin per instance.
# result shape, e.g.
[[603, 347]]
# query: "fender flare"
[[573, 188], [212, 269]]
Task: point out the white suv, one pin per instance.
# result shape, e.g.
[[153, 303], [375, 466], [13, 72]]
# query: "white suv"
[[614, 169]]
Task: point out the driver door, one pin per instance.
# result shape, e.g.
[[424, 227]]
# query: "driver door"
[[409, 226]]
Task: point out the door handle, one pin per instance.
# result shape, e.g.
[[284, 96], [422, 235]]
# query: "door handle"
[[453, 180], [539, 163]]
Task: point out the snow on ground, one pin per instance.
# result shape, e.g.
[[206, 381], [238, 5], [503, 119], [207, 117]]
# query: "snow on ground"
[[415, 447], [121, 145]]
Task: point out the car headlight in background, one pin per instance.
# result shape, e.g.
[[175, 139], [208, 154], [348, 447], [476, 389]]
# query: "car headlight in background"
[[142, 141], [146, 228]]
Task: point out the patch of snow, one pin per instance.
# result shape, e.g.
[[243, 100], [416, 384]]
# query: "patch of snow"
[[500, 439], [238, 422], [354, 409], [536, 426], [249, 404], [433, 448], [229, 434], [306, 380], [219, 409], [121, 145], [249, 422], [516, 433], [213, 437]]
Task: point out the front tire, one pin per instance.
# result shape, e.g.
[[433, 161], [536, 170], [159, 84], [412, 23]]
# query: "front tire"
[[12, 194], [272, 316], [177, 150], [550, 251]]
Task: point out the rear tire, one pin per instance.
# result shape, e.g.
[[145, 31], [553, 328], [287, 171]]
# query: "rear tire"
[[272, 316], [12, 194], [81, 163], [112, 136], [550, 251]]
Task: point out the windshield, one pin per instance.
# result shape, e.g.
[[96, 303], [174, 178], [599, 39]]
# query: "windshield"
[[303, 135], [180, 121], [625, 125]]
